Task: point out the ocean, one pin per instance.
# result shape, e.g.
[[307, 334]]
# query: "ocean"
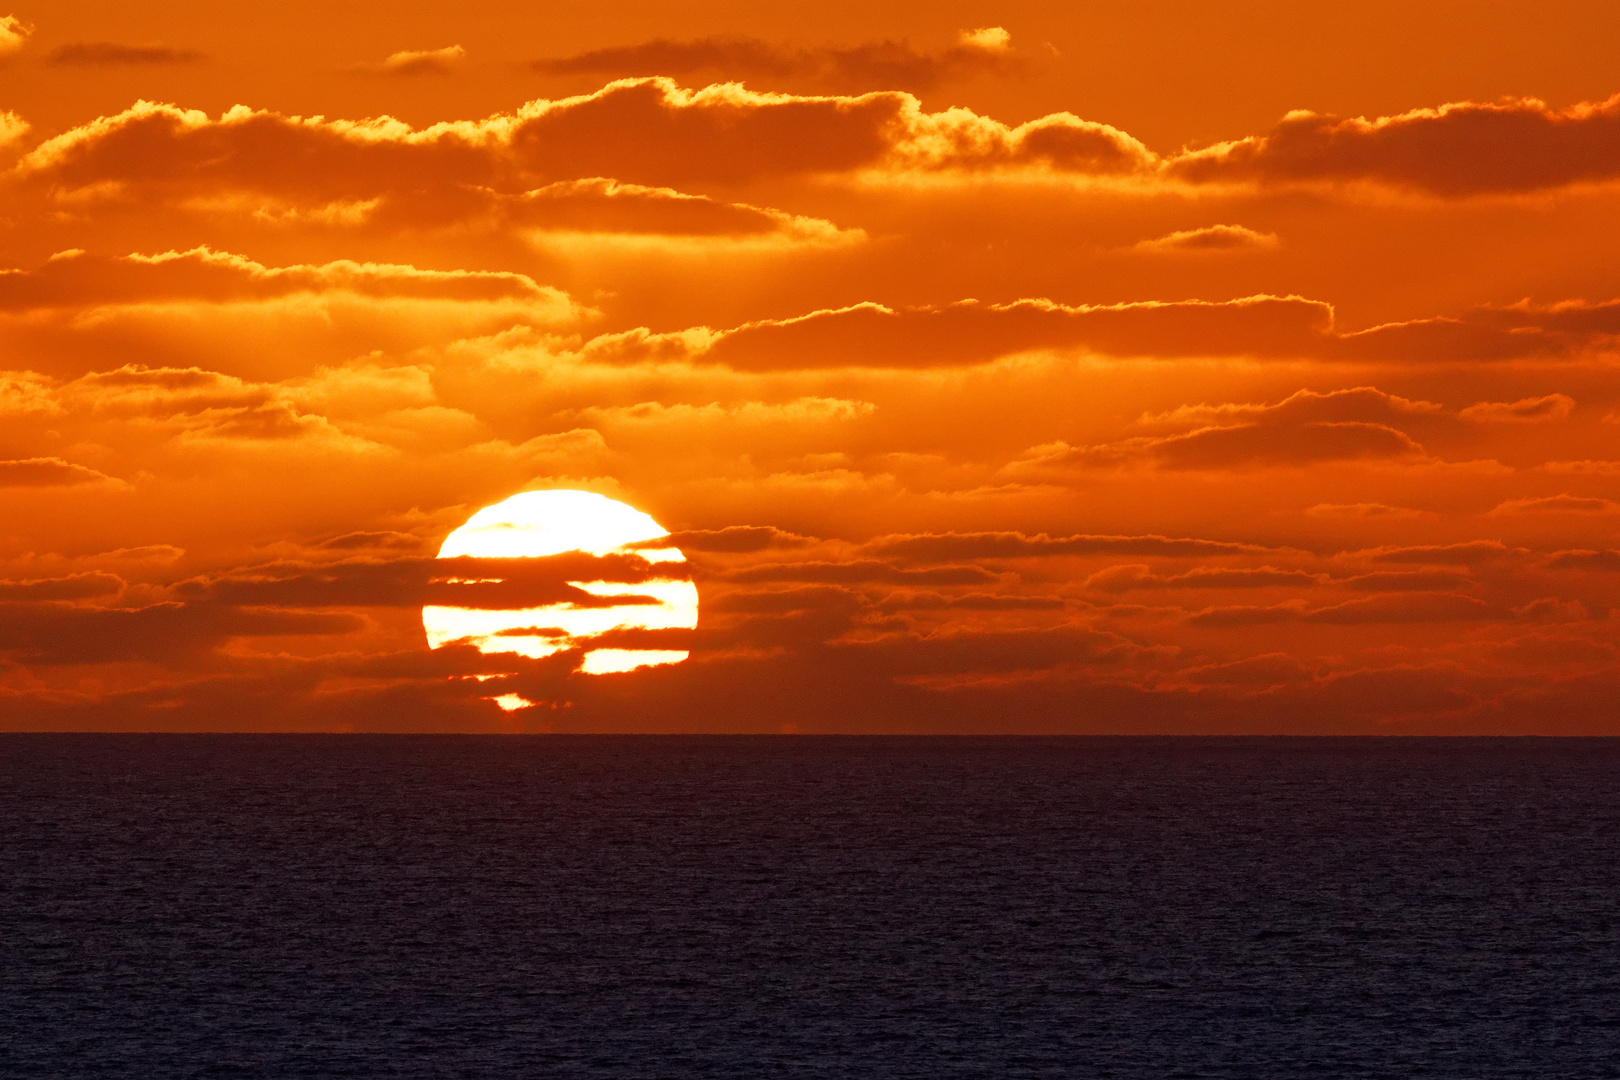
[[420, 906]]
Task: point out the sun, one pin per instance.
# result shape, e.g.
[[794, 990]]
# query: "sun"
[[535, 524]]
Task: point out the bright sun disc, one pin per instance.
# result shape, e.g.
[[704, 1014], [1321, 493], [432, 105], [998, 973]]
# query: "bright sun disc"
[[539, 523]]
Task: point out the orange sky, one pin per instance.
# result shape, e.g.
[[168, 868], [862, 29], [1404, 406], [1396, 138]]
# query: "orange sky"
[[1118, 367]]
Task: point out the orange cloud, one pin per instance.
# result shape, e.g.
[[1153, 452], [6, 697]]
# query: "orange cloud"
[[50, 633], [728, 134], [1467, 553], [871, 335], [201, 402], [1270, 669], [875, 65], [933, 601], [413, 582], [77, 279], [1393, 608], [1407, 580], [734, 539], [1537, 410], [1585, 560], [12, 128], [1014, 545], [1211, 238], [46, 472], [1361, 510], [161, 149], [1304, 429], [1231, 447], [642, 131], [1263, 327], [601, 207], [1557, 504], [863, 571], [424, 62], [112, 54], [1135, 577], [1465, 148], [73, 587], [204, 307], [13, 34]]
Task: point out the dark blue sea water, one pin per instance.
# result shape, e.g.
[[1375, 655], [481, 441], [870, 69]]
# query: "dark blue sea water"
[[315, 906]]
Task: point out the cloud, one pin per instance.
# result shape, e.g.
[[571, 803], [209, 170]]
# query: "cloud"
[[160, 150], [414, 582], [209, 308], [1267, 669], [598, 206], [1366, 404], [145, 556], [1421, 607], [558, 213], [59, 633], [640, 131], [887, 65], [358, 410], [733, 539], [967, 652], [386, 540], [1211, 238], [650, 131], [727, 134], [13, 34], [1016, 545], [12, 128], [1536, 410], [111, 54], [1304, 429], [46, 472], [1308, 443], [968, 333], [1584, 560], [78, 280], [796, 598], [1407, 580], [1522, 331], [73, 587], [1368, 511], [862, 571], [1134, 577], [1467, 553], [424, 62], [1556, 504], [562, 216], [204, 403], [976, 601], [1465, 148], [205, 308], [788, 619], [1585, 467]]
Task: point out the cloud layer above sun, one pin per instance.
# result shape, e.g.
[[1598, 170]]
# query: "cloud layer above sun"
[[974, 406]]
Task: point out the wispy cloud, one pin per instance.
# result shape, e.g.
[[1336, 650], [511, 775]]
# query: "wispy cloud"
[[871, 65], [418, 62], [113, 54]]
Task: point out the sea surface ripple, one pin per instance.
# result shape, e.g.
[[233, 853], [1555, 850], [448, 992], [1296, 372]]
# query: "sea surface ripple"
[[787, 907]]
